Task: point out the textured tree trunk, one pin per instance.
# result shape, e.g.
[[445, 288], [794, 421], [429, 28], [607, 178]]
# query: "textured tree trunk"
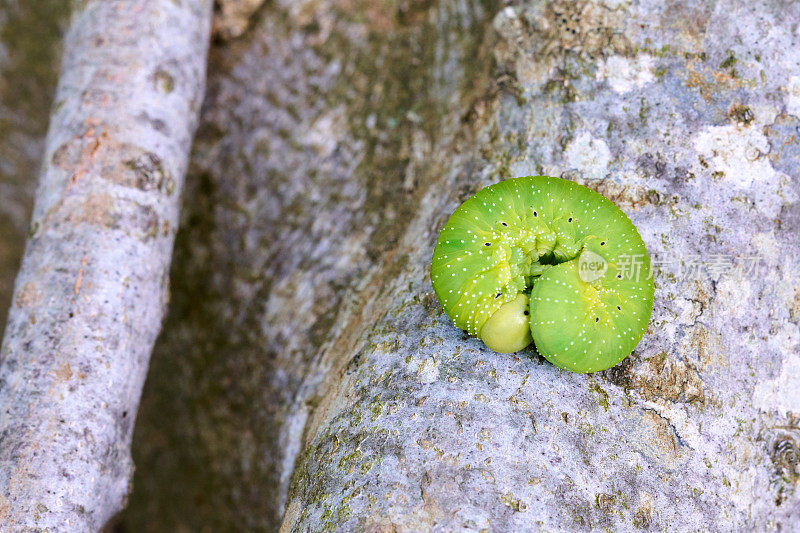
[[685, 115], [92, 289], [307, 375]]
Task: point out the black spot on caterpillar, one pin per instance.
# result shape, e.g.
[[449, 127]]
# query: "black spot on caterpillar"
[[545, 260]]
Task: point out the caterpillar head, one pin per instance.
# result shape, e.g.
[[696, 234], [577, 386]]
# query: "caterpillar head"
[[544, 260], [508, 329]]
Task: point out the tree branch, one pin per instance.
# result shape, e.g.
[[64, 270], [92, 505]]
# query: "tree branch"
[[92, 289]]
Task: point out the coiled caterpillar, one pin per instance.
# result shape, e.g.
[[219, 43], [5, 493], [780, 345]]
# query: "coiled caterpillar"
[[545, 260]]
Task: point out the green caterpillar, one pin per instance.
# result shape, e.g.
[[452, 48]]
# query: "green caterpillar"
[[545, 260]]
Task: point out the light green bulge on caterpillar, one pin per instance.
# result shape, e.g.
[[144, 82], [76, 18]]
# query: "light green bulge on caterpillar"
[[545, 260]]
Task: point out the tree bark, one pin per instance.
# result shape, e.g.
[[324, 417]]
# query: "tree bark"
[[92, 289], [336, 140], [685, 115]]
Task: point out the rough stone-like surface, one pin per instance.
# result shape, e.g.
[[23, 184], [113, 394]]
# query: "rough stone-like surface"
[[690, 133], [92, 289], [338, 138], [30, 44]]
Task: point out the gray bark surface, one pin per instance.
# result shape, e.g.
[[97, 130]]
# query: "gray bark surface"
[[92, 289], [686, 117], [307, 375]]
